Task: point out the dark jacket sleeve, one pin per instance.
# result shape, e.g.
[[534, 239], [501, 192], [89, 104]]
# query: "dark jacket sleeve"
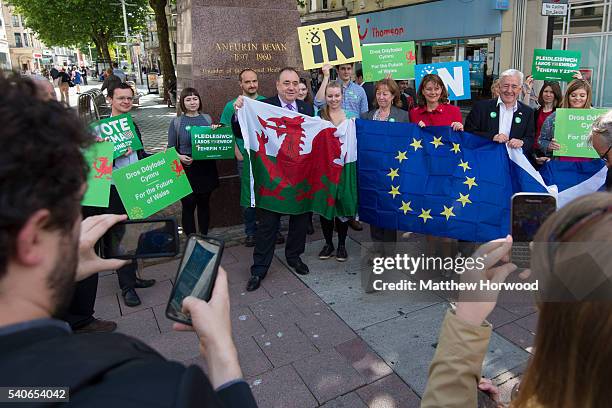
[[237, 395], [476, 122], [529, 136]]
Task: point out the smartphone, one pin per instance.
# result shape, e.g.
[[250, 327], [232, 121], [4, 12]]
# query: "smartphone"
[[150, 238], [196, 274], [529, 211]]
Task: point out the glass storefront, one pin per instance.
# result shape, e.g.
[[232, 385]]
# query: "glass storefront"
[[588, 29]]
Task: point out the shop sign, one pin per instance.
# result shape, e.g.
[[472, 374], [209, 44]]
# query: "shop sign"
[[455, 75], [501, 4], [380, 60], [36, 55]]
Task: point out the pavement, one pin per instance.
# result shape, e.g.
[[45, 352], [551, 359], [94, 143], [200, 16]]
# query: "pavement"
[[316, 340]]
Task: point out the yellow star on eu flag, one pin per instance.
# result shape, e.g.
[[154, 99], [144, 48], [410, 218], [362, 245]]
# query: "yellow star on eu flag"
[[456, 148], [448, 212], [393, 173], [425, 215], [416, 144], [405, 207], [437, 141], [464, 199], [401, 156], [464, 165], [394, 191], [470, 181]]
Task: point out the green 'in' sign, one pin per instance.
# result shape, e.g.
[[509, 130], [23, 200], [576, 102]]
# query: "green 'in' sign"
[[152, 184], [555, 65], [120, 130], [379, 60], [572, 129], [207, 144], [99, 158]]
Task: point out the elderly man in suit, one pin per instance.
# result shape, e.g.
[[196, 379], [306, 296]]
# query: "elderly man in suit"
[[265, 237], [505, 119]]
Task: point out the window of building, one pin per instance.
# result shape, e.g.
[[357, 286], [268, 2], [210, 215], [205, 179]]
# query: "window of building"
[[18, 42], [586, 18], [324, 4], [4, 64], [313, 6], [26, 41], [15, 18]]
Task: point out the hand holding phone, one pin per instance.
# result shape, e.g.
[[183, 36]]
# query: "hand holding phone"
[[529, 211], [149, 238], [196, 274]]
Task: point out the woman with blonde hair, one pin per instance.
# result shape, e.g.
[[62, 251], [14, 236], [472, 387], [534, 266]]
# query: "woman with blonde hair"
[[572, 364], [578, 95]]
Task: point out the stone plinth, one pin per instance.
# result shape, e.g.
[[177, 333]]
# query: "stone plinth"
[[216, 40]]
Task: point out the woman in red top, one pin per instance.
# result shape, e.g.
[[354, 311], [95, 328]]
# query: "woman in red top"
[[433, 108], [549, 99]]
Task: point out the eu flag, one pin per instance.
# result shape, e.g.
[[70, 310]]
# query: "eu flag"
[[433, 181]]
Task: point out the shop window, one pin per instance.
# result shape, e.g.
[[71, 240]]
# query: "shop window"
[[589, 47], [606, 100], [18, 43], [586, 19]]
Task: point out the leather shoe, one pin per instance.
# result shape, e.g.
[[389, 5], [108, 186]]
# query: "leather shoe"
[[98, 326], [300, 267], [326, 252], [280, 239], [253, 283], [341, 254], [249, 241], [144, 283], [355, 225], [130, 297]]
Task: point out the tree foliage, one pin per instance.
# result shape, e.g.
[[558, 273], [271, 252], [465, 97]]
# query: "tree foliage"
[[78, 22]]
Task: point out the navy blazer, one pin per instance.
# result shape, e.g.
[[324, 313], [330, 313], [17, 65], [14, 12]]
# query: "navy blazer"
[[483, 120], [303, 107]]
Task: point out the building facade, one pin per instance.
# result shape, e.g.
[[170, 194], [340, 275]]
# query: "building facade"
[[25, 49], [492, 34], [5, 57]]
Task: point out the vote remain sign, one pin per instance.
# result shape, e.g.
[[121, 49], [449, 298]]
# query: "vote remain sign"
[[455, 75]]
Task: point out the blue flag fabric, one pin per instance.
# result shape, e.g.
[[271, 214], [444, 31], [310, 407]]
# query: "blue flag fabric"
[[440, 182]]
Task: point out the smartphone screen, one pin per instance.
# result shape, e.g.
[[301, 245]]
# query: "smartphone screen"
[[529, 211], [141, 239], [196, 275]]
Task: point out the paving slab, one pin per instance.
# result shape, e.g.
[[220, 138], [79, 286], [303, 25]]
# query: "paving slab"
[[350, 400], [325, 329], [240, 297], [108, 285], [308, 301], [529, 322], [162, 271], [164, 324], [281, 388], [244, 323], [141, 324], [517, 335], [107, 307], [389, 392], [328, 375], [408, 343], [157, 294], [276, 312], [285, 345], [178, 346], [364, 359]]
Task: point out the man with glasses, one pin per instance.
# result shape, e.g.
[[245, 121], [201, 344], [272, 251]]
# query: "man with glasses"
[[505, 119], [121, 99], [601, 139]]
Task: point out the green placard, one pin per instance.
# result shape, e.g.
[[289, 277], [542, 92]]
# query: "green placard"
[[152, 184], [99, 158], [208, 144], [120, 130], [572, 128], [555, 65], [397, 59]]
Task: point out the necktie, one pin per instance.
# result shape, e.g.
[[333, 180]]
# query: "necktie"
[[289, 106]]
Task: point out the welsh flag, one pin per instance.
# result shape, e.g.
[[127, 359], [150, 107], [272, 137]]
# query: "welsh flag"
[[296, 164]]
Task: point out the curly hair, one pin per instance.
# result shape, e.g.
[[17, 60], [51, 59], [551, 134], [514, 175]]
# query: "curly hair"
[[41, 161]]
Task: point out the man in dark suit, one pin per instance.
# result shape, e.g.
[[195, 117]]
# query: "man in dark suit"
[[45, 248], [265, 237], [505, 119]]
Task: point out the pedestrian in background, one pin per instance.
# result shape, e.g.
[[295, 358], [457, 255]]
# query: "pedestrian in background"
[[64, 87], [202, 174], [76, 79]]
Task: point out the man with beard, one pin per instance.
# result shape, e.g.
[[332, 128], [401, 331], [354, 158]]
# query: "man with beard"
[[44, 248]]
